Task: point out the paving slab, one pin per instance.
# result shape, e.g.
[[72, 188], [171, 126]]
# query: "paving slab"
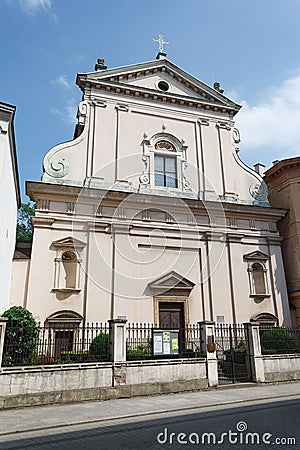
[[56, 416]]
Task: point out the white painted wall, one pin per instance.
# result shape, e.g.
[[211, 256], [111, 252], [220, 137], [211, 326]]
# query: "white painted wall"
[[9, 198]]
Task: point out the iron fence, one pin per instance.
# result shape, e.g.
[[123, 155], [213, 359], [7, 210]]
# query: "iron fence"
[[279, 340], [231, 349], [139, 341], [56, 344]]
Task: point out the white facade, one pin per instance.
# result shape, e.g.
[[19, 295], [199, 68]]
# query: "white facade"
[[9, 199], [149, 213]]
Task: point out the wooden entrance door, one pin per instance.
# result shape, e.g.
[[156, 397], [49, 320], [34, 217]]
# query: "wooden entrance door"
[[171, 315]]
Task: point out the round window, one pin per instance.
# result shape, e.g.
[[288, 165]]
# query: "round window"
[[163, 86]]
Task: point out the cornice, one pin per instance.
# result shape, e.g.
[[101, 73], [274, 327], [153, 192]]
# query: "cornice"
[[42, 221], [39, 190], [160, 97], [282, 166], [140, 70]]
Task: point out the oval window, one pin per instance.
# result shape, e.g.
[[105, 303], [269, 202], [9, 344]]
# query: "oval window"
[[163, 86]]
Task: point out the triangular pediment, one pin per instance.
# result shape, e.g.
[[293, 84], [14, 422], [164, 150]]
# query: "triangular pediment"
[[147, 76], [69, 242], [256, 256], [172, 280]]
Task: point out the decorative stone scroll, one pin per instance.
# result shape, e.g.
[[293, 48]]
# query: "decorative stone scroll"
[[259, 192], [57, 166]]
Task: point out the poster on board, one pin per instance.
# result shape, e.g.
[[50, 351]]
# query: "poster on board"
[[165, 342]]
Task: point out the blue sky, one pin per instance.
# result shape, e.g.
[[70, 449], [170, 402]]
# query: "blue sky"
[[250, 46]]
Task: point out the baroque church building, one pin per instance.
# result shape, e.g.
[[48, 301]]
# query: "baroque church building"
[[149, 213]]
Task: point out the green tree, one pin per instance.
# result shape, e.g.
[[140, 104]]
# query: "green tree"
[[21, 337], [24, 224]]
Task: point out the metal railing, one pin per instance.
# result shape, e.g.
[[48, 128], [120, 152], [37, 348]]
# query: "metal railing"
[[56, 344], [279, 340], [231, 350]]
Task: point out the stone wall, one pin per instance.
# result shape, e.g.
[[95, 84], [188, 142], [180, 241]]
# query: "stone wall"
[[281, 368], [43, 385]]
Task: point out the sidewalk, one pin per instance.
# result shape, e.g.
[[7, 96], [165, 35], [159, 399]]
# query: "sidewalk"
[[57, 416]]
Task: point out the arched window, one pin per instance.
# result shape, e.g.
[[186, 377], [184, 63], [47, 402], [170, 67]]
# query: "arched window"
[[67, 265], [165, 160], [165, 165], [257, 271], [258, 280], [63, 332]]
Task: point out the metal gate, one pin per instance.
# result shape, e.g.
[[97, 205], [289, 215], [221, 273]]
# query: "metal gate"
[[232, 354]]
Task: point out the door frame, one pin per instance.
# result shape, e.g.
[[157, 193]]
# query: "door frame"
[[171, 299]]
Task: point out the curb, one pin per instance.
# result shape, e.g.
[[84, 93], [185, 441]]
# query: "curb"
[[149, 414]]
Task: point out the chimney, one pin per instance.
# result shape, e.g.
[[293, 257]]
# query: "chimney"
[[259, 168]]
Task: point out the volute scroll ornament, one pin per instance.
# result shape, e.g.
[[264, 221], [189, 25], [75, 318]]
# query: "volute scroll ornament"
[[259, 192], [82, 112], [58, 168], [236, 136], [185, 182], [144, 178]]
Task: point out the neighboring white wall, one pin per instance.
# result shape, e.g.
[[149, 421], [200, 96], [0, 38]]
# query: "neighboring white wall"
[[9, 201], [281, 368], [20, 274]]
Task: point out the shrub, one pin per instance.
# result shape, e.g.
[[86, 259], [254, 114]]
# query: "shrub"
[[240, 347], [21, 337], [279, 340], [142, 351], [100, 345]]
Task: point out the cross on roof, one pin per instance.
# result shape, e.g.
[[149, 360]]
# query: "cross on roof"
[[161, 42]]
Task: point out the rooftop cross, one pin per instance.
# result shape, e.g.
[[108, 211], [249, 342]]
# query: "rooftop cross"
[[161, 42]]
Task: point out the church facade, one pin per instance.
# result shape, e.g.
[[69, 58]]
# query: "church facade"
[[149, 213]]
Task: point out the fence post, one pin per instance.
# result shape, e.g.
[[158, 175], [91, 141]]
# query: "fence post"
[[3, 321], [254, 348], [208, 349], [117, 339]]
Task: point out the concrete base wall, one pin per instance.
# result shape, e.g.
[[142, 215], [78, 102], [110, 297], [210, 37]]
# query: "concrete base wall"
[[46, 385], [165, 371], [281, 368]]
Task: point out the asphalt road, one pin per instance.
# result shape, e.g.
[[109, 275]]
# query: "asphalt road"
[[254, 427]]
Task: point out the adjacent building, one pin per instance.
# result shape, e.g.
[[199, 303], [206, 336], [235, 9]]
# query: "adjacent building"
[[149, 212], [9, 199], [283, 180]]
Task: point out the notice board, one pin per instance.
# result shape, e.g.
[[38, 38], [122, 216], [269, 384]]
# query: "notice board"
[[165, 342]]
